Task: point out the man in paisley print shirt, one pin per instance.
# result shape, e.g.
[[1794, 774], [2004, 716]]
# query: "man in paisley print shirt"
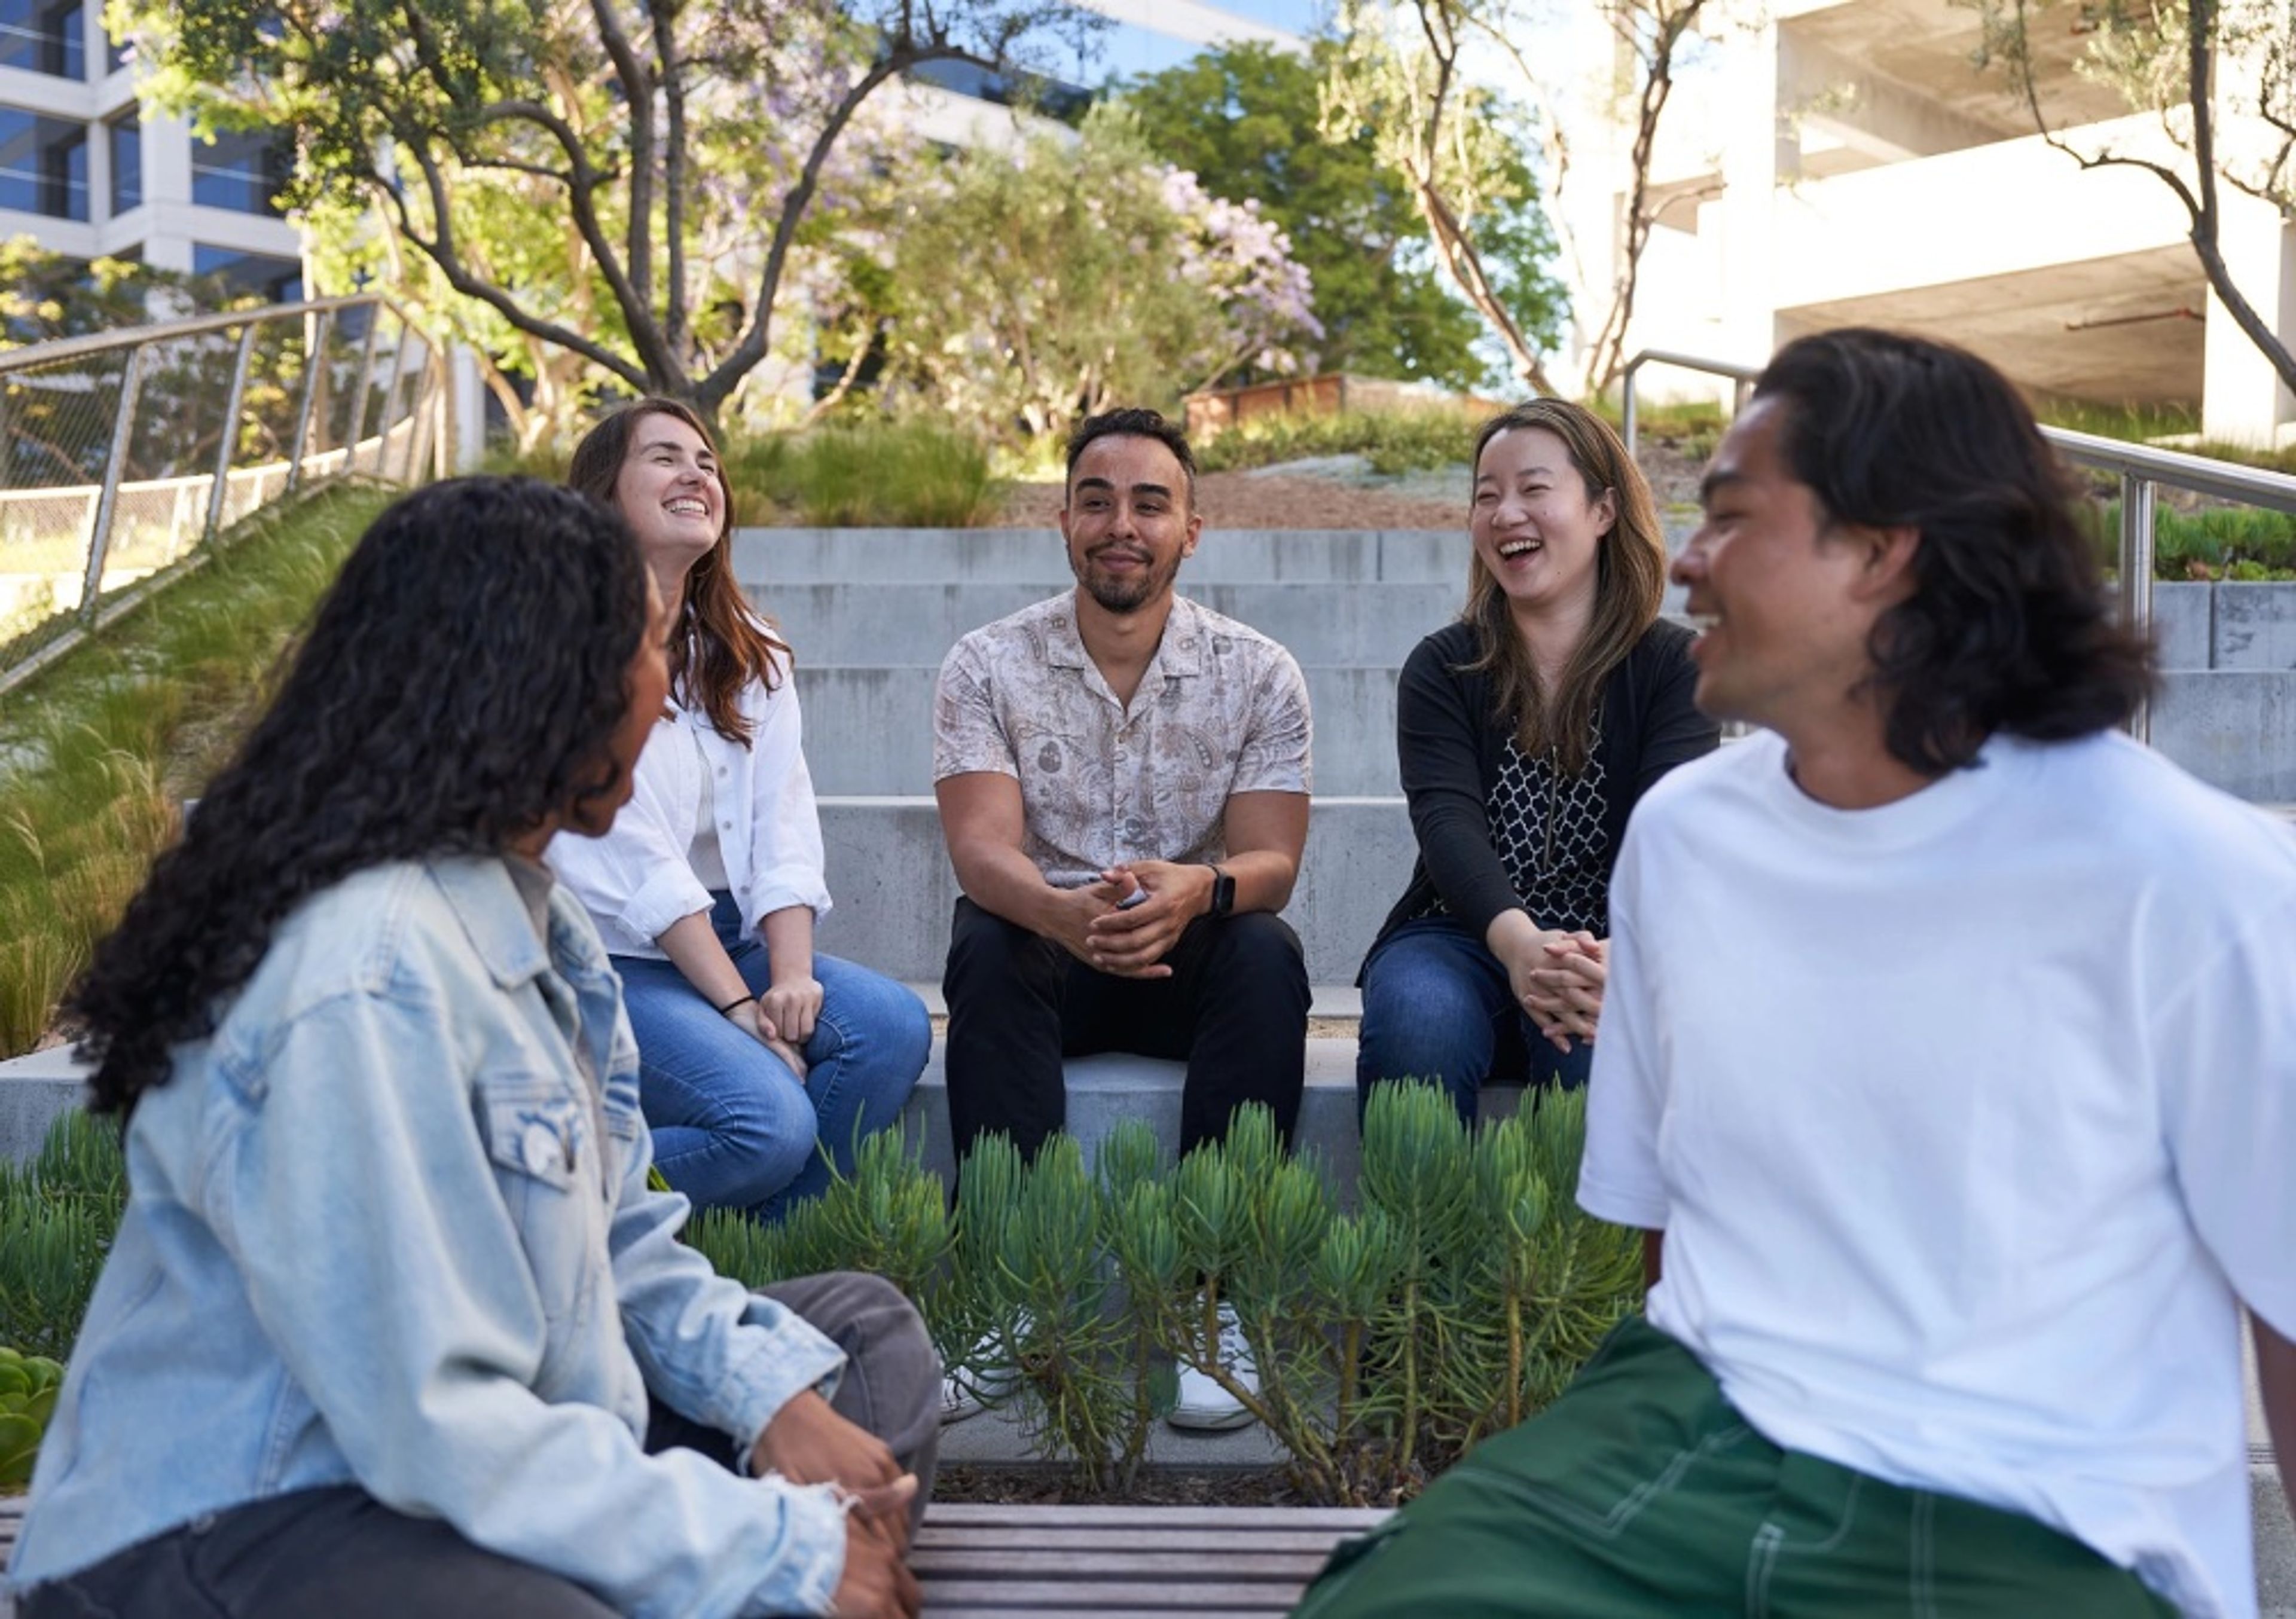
[[1123, 780]]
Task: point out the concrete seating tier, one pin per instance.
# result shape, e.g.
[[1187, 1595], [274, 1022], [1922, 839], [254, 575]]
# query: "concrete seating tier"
[[890, 871]]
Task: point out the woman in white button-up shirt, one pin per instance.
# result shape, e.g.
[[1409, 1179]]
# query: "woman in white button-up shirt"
[[761, 1062]]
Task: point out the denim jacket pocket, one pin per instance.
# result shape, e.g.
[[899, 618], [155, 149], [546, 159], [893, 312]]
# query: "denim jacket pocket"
[[540, 1139]]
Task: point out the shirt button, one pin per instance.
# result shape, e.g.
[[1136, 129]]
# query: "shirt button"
[[721, 770]]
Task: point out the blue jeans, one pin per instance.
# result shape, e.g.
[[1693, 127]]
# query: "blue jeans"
[[1437, 1007], [733, 1126]]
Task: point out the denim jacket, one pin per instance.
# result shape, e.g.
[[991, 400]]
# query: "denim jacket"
[[381, 1231]]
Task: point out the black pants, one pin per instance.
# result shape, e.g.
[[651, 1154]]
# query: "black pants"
[[1235, 1010], [339, 1553]]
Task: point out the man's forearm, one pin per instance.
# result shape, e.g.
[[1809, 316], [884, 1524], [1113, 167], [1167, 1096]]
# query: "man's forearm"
[[1006, 883], [2276, 1374], [1263, 878]]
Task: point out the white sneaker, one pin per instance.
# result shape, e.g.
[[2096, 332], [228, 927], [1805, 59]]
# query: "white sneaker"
[[957, 1402], [960, 1399], [1203, 1406]]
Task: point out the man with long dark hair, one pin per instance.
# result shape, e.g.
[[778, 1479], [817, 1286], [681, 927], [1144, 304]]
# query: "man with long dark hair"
[[1948, 1060]]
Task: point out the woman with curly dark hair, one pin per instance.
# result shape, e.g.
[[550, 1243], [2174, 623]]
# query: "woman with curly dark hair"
[[392, 1323], [1526, 733], [763, 1062]]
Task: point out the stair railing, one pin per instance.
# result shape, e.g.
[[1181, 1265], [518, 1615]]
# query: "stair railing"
[[123, 454], [2143, 469]]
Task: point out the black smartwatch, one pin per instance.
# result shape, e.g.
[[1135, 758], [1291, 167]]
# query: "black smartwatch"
[[1223, 893]]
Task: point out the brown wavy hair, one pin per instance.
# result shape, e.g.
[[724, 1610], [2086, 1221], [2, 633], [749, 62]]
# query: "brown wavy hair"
[[1629, 581], [727, 642]]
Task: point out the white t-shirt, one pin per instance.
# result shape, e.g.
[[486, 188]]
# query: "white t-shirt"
[[1968, 1119]]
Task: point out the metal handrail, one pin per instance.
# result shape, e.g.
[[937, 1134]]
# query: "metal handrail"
[[2143, 469], [429, 395], [191, 326]]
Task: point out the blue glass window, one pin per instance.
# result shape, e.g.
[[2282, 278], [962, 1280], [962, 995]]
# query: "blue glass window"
[[273, 279], [243, 170], [43, 165], [44, 37], [125, 133]]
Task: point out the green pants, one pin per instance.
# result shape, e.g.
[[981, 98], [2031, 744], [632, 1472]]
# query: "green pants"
[[1642, 1493]]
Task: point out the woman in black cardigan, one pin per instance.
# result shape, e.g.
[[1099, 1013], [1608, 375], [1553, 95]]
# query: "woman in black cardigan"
[[1526, 733]]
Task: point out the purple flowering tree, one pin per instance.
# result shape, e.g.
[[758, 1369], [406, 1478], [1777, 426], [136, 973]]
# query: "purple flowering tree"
[[1116, 278], [627, 182]]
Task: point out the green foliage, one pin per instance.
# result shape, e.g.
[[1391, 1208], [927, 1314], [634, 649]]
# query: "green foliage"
[[28, 1386], [1459, 1300], [1397, 82], [1391, 441], [2243, 543], [56, 1222], [1111, 281], [1239, 117], [101, 745], [625, 184], [902, 474], [46, 295]]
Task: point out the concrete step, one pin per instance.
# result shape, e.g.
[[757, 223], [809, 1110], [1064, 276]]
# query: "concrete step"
[[869, 730], [872, 623], [769, 560], [889, 874]]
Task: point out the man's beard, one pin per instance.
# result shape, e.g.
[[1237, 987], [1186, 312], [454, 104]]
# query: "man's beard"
[[1127, 595]]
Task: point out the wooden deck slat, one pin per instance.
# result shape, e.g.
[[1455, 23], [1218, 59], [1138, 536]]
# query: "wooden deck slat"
[[1188, 1543], [1171, 1565], [1350, 1520], [1098, 1596]]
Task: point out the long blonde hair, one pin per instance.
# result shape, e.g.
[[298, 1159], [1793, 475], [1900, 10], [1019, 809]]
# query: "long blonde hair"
[[1629, 581]]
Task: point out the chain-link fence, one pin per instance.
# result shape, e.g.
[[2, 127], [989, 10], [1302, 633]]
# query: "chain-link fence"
[[121, 455]]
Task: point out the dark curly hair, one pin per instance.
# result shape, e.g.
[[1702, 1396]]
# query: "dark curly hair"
[[2008, 627], [457, 686], [1135, 421]]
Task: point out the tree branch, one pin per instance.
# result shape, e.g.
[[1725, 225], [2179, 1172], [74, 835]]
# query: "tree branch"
[[638, 102], [672, 71], [664, 371], [716, 387], [441, 251]]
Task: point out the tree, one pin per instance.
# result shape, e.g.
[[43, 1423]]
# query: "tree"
[[1112, 279], [1234, 116], [1400, 76], [2161, 58], [669, 138], [1409, 81]]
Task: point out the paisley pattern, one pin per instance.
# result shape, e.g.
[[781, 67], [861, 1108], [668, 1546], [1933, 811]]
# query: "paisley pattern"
[[1221, 709]]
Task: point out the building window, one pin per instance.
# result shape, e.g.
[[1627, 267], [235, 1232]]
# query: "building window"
[[125, 133], [43, 165], [273, 280], [244, 171], [44, 37]]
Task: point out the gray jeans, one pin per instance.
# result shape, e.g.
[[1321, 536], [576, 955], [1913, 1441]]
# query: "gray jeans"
[[340, 1552]]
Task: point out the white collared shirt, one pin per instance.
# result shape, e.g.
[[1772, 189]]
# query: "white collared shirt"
[[639, 878]]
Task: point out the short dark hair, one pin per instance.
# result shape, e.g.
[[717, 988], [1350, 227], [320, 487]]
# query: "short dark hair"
[[2008, 627], [1135, 422]]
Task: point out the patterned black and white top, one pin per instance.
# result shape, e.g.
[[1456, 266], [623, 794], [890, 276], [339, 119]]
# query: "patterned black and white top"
[[1497, 830], [1547, 829]]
